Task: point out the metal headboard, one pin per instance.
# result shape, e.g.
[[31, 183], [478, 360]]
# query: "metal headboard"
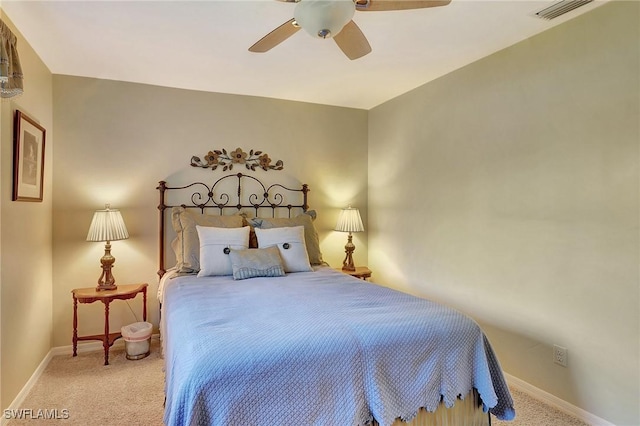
[[205, 197]]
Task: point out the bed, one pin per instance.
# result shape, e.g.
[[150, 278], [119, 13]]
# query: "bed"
[[294, 343]]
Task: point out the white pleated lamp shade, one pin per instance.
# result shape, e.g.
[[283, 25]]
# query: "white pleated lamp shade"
[[349, 220], [107, 225]]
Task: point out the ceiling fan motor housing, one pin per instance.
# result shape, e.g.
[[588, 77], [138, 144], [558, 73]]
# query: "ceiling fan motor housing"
[[324, 18]]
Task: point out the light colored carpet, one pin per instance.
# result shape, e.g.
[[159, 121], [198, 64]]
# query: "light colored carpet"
[[531, 412], [122, 393], [132, 393]]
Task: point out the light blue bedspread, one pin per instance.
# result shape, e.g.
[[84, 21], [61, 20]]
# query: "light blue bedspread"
[[317, 348]]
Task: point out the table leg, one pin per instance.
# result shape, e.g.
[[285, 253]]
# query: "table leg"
[[106, 332], [75, 326], [144, 304]]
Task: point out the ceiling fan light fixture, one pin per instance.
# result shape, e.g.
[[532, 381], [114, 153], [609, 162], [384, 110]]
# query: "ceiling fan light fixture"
[[324, 18]]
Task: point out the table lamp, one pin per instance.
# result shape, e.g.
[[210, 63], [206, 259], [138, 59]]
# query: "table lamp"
[[349, 221], [107, 225]]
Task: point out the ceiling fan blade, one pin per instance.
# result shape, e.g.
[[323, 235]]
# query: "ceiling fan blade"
[[275, 37], [352, 41], [382, 5]]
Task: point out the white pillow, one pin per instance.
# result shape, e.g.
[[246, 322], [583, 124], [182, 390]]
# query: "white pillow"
[[215, 246], [290, 242]]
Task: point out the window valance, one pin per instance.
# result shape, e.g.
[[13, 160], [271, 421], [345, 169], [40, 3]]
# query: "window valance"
[[10, 69]]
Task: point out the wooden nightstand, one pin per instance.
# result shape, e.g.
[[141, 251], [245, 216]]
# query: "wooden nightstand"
[[90, 295], [361, 272]]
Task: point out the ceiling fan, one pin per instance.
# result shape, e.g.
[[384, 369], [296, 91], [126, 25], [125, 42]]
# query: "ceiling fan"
[[333, 19]]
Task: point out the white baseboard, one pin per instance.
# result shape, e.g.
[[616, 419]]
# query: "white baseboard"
[[91, 346], [555, 402]]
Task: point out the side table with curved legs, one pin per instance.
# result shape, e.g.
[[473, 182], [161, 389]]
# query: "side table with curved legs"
[[90, 295]]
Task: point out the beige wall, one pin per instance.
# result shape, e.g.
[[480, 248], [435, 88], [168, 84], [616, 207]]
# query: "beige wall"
[[509, 189], [117, 140], [26, 262]]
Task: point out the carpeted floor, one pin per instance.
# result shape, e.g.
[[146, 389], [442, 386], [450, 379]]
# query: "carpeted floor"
[[531, 412], [131, 393], [122, 393]]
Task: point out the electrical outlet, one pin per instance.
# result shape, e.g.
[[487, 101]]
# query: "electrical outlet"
[[560, 355]]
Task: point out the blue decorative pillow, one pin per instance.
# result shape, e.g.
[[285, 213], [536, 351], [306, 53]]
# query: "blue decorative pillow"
[[253, 263]]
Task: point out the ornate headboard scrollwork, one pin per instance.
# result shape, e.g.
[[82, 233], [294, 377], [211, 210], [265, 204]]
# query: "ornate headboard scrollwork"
[[199, 195]]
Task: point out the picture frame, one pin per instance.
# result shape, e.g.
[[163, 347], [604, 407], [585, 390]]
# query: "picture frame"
[[28, 159]]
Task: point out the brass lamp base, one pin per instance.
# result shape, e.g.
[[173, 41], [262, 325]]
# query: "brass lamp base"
[[349, 248], [106, 280]]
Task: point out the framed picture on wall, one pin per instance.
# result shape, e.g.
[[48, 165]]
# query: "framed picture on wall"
[[28, 159]]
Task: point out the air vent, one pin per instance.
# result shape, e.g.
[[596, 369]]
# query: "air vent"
[[561, 8]]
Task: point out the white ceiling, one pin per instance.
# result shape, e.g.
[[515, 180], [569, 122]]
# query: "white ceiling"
[[202, 45]]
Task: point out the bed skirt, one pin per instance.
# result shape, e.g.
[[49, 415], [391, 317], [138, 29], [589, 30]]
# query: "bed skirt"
[[466, 412]]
